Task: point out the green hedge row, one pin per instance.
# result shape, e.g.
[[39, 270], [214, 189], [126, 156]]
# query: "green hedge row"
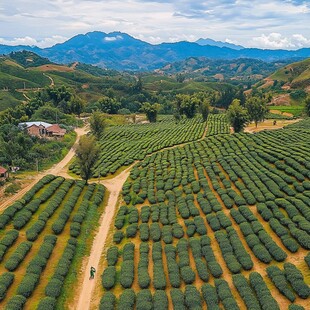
[[36, 267], [6, 280], [18, 255], [7, 241], [55, 284], [296, 280], [263, 294]]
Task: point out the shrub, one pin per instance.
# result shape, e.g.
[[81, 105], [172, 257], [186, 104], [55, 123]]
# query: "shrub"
[[278, 278], [28, 284], [177, 231], [53, 288], [144, 231], [127, 300], [155, 232], [296, 280], [6, 280], [18, 256], [192, 297], [246, 292], [177, 297], [112, 255], [108, 277], [47, 303], [17, 302], [187, 274], [173, 267], [144, 300], [107, 301], [131, 230], [225, 295], [160, 300], [210, 296], [118, 237], [263, 294], [127, 273]]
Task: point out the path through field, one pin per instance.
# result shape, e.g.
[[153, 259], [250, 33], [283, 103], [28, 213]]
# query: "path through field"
[[56, 170], [114, 186]]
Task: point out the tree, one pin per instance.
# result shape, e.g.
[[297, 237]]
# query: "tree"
[[257, 109], [307, 105], [87, 153], [237, 115], [109, 105], [186, 105], [97, 124], [205, 109], [151, 111]]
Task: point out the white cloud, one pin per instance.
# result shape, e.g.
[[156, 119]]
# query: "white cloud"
[[157, 21], [109, 39], [278, 41], [46, 42]]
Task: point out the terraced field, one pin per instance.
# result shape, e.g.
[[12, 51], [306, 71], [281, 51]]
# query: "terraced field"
[[221, 223], [43, 238]]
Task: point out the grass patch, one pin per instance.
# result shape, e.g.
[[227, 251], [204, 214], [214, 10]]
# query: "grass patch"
[[295, 110]]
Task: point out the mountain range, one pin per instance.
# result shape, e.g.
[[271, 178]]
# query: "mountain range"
[[121, 51]]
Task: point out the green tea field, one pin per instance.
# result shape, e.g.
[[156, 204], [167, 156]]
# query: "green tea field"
[[187, 216], [42, 239], [220, 223]]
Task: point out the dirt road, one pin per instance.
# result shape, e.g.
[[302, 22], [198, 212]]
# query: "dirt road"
[[114, 186], [57, 169]]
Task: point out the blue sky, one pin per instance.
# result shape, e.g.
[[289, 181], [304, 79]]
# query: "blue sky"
[[252, 23]]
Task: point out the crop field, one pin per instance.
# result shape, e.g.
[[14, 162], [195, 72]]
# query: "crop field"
[[295, 110], [41, 236], [219, 223], [123, 145]]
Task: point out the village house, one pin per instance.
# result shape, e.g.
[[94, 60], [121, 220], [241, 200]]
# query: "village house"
[[43, 129], [4, 174]]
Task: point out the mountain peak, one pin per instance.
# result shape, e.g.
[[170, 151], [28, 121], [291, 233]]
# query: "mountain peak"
[[211, 42]]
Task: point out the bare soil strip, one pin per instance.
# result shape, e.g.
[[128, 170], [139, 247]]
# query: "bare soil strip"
[[114, 186]]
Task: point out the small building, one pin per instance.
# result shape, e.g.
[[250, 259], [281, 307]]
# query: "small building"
[[4, 174], [55, 131], [43, 129], [35, 130]]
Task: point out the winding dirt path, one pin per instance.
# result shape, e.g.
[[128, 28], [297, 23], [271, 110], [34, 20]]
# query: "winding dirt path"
[[56, 170], [51, 79], [114, 186]]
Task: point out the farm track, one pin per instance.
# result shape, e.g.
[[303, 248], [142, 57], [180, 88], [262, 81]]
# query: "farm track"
[[114, 186]]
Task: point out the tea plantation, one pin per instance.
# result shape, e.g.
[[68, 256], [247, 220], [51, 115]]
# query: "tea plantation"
[[220, 223], [41, 236], [123, 145]]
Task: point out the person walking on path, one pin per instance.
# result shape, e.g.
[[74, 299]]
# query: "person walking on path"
[[92, 272]]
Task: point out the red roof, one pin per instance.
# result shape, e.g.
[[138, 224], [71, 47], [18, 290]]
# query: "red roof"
[[2, 170], [56, 129]]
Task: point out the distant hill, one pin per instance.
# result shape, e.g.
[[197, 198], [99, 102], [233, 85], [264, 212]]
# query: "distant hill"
[[29, 59], [121, 51], [295, 75], [18, 83], [218, 43], [242, 69]]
